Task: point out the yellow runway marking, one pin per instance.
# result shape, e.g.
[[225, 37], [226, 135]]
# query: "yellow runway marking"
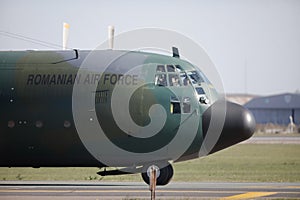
[[249, 195]]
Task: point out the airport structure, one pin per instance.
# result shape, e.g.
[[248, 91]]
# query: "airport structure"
[[277, 109]]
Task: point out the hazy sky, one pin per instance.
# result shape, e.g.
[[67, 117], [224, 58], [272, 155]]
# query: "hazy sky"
[[258, 40]]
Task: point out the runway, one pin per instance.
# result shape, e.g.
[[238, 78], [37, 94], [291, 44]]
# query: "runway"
[[137, 190]]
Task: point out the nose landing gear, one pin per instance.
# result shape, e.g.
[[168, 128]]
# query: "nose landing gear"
[[163, 175]]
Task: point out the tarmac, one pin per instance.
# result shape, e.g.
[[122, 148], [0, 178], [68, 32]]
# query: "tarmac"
[[46, 190]]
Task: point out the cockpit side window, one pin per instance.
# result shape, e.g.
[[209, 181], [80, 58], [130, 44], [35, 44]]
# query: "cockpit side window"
[[200, 90], [175, 105], [195, 77], [186, 105]]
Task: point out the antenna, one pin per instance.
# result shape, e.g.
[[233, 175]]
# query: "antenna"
[[111, 32], [66, 28], [175, 52]]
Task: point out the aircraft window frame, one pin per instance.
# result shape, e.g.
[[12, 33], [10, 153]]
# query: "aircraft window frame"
[[186, 105], [160, 68], [185, 79], [178, 68], [199, 90], [169, 71], [195, 77], [174, 80], [171, 68], [175, 105], [163, 82]]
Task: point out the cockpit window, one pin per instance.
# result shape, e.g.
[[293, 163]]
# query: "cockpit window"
[[195, 77], [171, 75], [160, 68], [184, 79], [174, 80], [178, 68], [171, 68], [161, 80], [200, 90]]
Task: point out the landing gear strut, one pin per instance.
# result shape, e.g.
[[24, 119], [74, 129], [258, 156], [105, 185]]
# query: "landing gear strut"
[[164, 175]]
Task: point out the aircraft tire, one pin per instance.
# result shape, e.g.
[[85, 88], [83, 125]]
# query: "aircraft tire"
[[164, 178]]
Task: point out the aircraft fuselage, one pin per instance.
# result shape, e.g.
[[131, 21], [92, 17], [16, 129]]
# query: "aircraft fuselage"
[[52, 101]]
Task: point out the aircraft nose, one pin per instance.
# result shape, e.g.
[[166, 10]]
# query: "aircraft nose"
[[239, 124]]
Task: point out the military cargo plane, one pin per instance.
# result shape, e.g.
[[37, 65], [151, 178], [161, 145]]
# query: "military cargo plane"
[[54, 103]]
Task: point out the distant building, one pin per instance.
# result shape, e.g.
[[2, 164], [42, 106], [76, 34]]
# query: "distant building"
[[276, 109], [240, 98]]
